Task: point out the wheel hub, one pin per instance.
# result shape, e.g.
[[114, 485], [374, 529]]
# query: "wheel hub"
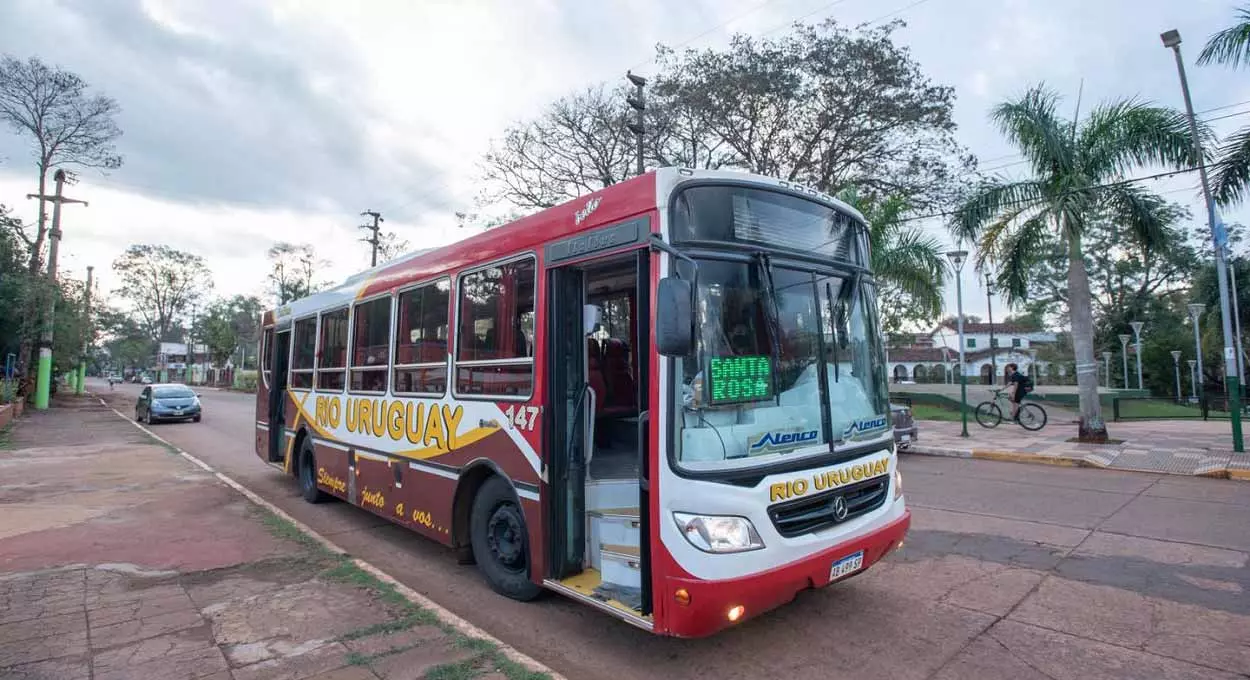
[[506, 538]]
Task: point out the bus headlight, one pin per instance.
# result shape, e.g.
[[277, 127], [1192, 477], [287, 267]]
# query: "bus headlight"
[[718, 534]]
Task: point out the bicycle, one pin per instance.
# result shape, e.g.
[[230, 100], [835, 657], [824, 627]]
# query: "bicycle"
[[989, 414]]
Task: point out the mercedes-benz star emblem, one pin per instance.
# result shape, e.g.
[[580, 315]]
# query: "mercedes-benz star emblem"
[[839, 508]]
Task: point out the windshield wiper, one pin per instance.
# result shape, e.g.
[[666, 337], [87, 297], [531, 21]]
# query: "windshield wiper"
[[770, 311]]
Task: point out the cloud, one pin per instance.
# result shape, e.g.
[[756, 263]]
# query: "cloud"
[[240, 104]]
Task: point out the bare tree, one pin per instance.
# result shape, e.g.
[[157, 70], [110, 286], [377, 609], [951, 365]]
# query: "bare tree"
[[161, 283], [391, 246], [293, 271], [66, 125]]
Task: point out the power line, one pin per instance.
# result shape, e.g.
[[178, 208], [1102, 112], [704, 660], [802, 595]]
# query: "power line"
[[896, 12], [1105, 185]]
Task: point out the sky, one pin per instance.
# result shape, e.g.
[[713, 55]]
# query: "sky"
[[248, 122]]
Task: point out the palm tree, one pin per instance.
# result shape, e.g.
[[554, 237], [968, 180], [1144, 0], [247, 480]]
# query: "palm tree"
[[907, 263], [1077, 169], [1231, 47]]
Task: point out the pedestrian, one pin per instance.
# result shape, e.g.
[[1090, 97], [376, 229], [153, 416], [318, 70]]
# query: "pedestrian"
[[1018, 385]]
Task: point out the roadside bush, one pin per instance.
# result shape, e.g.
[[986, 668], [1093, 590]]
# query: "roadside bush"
[[245, 381]]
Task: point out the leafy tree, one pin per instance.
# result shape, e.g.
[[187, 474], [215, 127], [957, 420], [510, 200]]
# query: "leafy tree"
[[127, 342], [1076, 169], [907, 264], [161, 283], [66, 124], [1231, 47], [293, 271], [216, 330], [16, 326], [826, 106]]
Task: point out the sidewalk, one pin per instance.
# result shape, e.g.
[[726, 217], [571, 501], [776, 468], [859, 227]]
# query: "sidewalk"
[[1180, 447], [121, 559]]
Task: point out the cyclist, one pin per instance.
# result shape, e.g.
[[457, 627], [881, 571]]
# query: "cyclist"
[[1018, 385]]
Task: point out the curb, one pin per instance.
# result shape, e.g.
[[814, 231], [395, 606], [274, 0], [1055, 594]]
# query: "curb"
[[444, 615], [1092, 460]]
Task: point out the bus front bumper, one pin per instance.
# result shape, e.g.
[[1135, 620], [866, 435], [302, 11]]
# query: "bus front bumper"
[[711, 602]]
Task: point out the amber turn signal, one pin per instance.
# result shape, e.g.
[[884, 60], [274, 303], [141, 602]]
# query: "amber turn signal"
[[682, 596]]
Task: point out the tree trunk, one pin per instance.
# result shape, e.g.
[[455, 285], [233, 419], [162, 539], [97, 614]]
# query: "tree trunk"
[[1092, 428], [36, 252]]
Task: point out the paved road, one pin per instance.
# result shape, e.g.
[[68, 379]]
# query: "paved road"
[[1010, 571]]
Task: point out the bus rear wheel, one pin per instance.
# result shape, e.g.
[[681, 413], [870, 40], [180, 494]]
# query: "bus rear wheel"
[[501, 541], [308, 474]]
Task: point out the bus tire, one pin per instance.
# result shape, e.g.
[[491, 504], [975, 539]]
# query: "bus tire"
[[308, 473], [501, 541]]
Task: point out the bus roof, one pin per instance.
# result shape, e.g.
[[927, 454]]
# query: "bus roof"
[[620, 201]]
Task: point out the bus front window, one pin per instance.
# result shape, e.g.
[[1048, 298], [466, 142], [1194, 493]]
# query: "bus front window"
[[753, 390]]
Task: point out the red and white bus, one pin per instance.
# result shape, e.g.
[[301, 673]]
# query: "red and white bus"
[[666, 399]]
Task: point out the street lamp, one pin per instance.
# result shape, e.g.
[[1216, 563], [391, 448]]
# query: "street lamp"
[[957, 258], [1106, 367], [1195, 313], [1124, 337], [1137, 325], [1193, 381], [1037, 373], [1219, 239], [1176, 362]]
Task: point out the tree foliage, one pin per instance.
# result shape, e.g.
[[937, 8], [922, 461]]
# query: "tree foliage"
[[293, 271], [161, 284], [825, 106], [1231, 47], [1075, 167], [66, 125], [907, 263]]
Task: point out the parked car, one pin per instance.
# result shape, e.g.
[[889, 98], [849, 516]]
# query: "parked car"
[[905, 429], [166, 402], [145, 380], [114, 379]]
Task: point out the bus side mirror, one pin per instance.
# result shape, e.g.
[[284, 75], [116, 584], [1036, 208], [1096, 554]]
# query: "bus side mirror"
[[674, 324]]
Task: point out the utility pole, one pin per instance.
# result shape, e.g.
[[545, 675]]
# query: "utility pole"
[[43, 380], [86, 333], [372, 239], [1219, 238], [989, 301], [638, 127]]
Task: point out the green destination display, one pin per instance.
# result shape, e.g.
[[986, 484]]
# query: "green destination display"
[[743, 378]]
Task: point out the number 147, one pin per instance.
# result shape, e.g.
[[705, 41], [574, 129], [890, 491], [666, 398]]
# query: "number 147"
[[523, 417]]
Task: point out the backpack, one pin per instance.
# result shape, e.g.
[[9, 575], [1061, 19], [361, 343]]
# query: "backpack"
[[1027, 384]]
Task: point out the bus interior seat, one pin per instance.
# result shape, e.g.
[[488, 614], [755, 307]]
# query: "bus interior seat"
[[619, 377]]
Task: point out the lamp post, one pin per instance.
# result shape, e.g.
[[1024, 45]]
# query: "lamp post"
[[1193, 380], [1137, 326], [989, 302], [1219, 239], [1124, 337], [1241, 351], [957, 258], [1176, 362], [1106, 367], [1037, 375], [1195, 313]]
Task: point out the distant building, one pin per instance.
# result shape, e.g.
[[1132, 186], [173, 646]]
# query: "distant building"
[[934, 357]]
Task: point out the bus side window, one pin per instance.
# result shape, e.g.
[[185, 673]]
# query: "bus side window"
[[421, 339], [495, 348]]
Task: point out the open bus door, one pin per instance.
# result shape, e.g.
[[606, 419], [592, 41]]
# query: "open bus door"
[[277, 395], [570, 411]]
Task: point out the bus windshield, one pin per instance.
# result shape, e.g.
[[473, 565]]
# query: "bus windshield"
[[788, 362]]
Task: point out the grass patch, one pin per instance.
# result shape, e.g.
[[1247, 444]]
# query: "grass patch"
[[348, 573], [1143, 409], [358, 659], [284, 529], [930, 412], [388, 627], [464, 670], [6, 437], [474, 644]]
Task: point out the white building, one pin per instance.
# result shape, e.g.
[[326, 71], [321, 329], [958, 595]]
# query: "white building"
[[933, 357]]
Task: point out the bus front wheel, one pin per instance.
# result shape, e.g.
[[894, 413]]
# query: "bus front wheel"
[[501, 541]]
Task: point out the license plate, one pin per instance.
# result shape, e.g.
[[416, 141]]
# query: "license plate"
[[847, 565]]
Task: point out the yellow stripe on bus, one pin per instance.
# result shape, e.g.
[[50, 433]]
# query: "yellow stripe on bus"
[[474, 435]]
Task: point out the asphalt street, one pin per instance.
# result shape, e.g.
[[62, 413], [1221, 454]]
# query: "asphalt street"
[[1010, 571]]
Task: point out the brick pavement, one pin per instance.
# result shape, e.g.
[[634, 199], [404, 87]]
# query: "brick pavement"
[[1182, 447], [120, 559]]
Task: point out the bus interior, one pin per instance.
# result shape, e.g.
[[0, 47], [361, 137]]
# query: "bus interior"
[[610, 571]]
